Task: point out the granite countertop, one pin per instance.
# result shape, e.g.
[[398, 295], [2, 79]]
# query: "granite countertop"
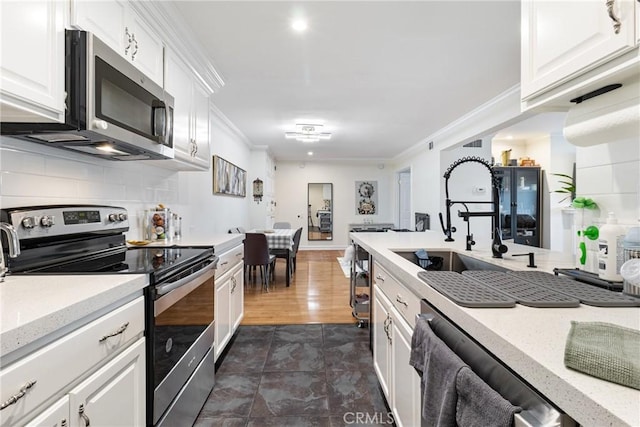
[[35, 307], [529, 340]]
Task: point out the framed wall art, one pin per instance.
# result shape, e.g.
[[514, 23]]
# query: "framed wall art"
[[366, 197], [228, 178]]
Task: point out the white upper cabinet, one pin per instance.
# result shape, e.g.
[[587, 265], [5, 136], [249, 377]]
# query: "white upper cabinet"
[[190, 116], [117, 24], [563, 39], [32, 61]]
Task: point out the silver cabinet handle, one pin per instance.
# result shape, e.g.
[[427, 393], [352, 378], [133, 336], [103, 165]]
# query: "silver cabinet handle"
[[13, 399], [222, 264], [126, 33], [120, 330], [379, 277], [133, 39], [401, 301], [85, 418], [233, 288], [612, 15]]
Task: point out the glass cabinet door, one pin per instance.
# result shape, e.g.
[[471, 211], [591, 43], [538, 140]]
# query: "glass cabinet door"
[[527, 209], [504, 185]]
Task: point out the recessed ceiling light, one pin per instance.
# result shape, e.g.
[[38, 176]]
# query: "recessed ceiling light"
[[299, 25], [310, 153]]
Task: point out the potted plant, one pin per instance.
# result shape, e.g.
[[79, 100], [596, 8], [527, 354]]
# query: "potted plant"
[[568, 186]]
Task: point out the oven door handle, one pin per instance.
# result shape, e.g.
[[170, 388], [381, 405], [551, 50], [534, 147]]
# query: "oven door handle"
[[165, 289]]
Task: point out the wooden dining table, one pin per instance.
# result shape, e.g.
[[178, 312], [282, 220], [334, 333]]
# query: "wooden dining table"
[[280, 238]]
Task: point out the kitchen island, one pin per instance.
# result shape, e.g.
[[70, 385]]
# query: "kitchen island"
[[530, 341]]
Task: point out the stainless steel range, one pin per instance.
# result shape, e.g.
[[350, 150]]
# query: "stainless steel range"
[[84, 239]]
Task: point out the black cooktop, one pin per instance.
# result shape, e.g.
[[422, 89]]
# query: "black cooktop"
[[155, 261]]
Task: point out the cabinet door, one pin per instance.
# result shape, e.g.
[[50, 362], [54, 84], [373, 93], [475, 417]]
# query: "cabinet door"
[[56, 415], [32, 60], [200, 151], [107, 19], [237, 297], [179, 85], [121, 28], [115, 394], [527, 215], [147, 49], [222, 312], [381, 340], [563, 38], [406, 381]]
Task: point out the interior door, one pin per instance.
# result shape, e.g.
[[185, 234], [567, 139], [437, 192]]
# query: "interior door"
[[404, 199]]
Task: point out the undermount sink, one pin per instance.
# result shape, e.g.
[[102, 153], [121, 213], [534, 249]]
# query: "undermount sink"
[[454, 261]]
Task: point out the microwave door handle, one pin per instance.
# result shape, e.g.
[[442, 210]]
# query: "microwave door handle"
[[160, 121]]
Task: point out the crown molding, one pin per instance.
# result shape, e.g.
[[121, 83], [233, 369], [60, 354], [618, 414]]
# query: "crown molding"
[[180, 38], [488, 118], [228, 124]]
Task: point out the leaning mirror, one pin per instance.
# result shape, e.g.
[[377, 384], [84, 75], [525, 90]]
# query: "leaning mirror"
[[320, 217]]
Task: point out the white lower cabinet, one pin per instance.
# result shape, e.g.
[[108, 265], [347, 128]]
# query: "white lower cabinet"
[[405, 380], [382, 340], [100, 366], [393, 307], [115, 395], [222, 313], [56, 415], [229, 298]]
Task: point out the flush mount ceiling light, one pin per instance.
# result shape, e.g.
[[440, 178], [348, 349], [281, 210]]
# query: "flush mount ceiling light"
[[299, 25], [308, 133]]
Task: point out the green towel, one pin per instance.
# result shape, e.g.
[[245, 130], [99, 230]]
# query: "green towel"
[[605, 351]]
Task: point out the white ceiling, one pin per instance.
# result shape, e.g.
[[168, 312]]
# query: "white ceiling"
[[381, 76]]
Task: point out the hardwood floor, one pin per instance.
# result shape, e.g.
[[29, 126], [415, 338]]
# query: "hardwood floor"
[[319, 293]]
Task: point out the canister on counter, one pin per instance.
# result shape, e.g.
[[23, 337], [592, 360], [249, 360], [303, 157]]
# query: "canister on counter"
[[159, 224]]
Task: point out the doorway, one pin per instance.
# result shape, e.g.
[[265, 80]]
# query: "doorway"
[[404, 199]]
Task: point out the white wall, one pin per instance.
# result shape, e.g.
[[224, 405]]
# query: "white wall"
[[291, 179], [32, 174]]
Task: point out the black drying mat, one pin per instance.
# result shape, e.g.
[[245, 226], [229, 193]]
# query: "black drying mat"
[[587, 294], [524, 292], [466, 292]]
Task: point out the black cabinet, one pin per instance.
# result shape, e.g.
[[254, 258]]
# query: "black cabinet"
[[520, 204]]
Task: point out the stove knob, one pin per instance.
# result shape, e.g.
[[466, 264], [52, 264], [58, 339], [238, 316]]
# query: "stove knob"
[[113, 217], [122, 216], [29, 222], [47, 221]]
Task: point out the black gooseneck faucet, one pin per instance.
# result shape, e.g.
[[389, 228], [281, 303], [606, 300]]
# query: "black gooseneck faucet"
[[497, 247]]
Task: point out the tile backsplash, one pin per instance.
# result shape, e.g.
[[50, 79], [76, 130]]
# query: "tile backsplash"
[[610, 175], [34, 175]]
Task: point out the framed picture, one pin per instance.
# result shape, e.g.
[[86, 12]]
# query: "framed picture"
[[228, 178], [366, 197]]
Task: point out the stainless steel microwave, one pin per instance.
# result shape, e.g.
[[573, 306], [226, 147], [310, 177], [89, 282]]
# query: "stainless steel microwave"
[[113, 110]]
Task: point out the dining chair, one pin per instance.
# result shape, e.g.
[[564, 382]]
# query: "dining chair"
[[282, 225], [256, 253], [283, 253]]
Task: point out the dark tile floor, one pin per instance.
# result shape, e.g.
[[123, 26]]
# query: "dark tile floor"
[[298, 376]]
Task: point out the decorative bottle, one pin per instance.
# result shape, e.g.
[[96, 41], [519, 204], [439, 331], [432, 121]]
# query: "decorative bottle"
[[610, 255]]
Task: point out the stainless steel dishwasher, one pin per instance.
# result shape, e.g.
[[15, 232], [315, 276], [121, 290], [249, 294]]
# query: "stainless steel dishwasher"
[[536, 410]]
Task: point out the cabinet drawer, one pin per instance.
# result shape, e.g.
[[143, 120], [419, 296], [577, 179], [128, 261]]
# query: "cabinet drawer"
[[70, 358], [405, 301], [229, 259]]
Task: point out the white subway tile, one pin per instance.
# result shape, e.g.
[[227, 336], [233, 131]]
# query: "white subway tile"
[[19, 184], [626, 177], [594, 180], [17, 161]]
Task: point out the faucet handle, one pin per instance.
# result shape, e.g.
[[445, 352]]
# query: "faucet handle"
[[532, 262]]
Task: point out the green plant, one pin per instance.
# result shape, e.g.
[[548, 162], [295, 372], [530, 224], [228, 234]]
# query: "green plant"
[[569, 186]]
